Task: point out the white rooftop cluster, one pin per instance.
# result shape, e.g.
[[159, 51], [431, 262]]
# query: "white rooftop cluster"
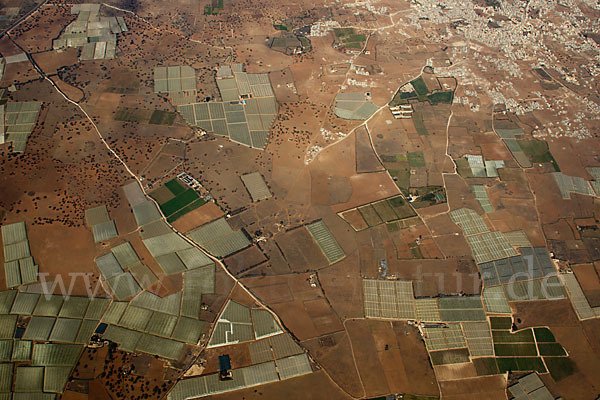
[[322, 28], [96, 35]]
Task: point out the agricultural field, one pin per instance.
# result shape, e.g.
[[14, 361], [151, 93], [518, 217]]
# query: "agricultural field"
[[538, 152], [349, 38], [317, 200], [417, 90], [175, 200]]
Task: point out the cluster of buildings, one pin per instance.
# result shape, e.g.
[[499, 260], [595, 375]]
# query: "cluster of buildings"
[[96, 35], [402, 111]]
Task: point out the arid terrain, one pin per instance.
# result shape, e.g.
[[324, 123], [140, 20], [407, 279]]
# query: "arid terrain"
[[324, 200]]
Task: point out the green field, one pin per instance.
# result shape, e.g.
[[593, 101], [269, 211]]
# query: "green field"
[[353, 45], [185, 200], [160, 117], [416, 252], [486, 366], [544, 335], [175, 187], [551, 349], [179, 202], [156, 117], [280, 27], [397, 166], [501, 322], [388, 158], [417, 118], [402, 97], [428, 196], [370, 215], [525, 336], [127, 114], [416, 159], [349, 38], [441, 97], [453, 356], [213, 10], [560, 367], [306, 45], [190, 207], [420, 87], [354, 37], [521, 364], [385, 211], [538, 152], [515, 349], [463, 168], [401, 177], [343, 32], [120, 90], [401, 207]]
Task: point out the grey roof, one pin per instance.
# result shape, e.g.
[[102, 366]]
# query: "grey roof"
[[108, 265], [114, 312], [170, 263], [146, 212], [260, 351], [104, 231], [260, 374], [55, 354], [388, 299], [256, 185], [65, 330], [174, 79], [123, 285], [353, 105], [161, 324], [188, 330], [29, 379], [264, 323], [228, 118], [6, 300], [125, 255], [143, 275], [165, 244], [13, 233], [12, 273], [96, 215], [126, 338], [48, 305], [97, 307], [24, 303], [16, 251], [326, 241], [284, 346], [161, 347], [530, 387], [135, 318], [74, 307], [134, 194], [218, 238], [55, 378], [194, 258], [39, 328], [156, 228], [169, 304], [293, 366], [235, 312]]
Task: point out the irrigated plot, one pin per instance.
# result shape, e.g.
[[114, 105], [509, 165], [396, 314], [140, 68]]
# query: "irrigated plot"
[[388, 299], [326, 241]]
